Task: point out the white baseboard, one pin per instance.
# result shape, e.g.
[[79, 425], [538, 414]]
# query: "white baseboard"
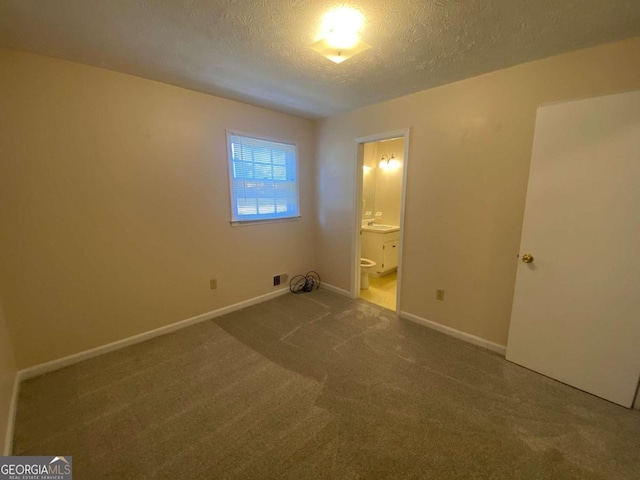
[[59, 363], [338, 290], [11, 419], [467, 337]]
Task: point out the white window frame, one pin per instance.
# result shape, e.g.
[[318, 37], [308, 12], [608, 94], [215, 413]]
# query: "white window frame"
[[235, 219]]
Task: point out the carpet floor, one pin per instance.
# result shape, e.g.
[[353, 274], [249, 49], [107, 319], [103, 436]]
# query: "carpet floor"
[[318, 386]]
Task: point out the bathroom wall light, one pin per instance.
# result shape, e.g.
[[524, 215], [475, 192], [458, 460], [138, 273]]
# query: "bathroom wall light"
[[340, 35], [387, 162]]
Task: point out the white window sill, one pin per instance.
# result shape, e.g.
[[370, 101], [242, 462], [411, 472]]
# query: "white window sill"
[[245, 223]]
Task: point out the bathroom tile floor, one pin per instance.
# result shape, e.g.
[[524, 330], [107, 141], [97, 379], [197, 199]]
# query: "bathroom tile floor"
[[382, 291]]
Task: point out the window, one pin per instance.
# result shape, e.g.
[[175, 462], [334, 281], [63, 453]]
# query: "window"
[[264, 179]]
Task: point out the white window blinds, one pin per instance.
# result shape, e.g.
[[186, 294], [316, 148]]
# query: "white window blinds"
[[264, 179]]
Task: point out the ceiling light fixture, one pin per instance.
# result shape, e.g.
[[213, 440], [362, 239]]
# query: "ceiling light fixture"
[[340, 35]]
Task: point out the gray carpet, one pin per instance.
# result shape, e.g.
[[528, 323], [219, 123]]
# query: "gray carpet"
[[319, 386]]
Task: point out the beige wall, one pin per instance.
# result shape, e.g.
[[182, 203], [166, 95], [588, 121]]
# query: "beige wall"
[[7, 377], [114, 206], [470, 149], [114, 209]]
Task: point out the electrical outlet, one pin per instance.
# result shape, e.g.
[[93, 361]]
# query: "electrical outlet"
[[280, 279], [440, 294], [213, 283], [276, 280]]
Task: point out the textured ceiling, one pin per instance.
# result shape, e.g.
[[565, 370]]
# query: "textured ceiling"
[[256, 50]]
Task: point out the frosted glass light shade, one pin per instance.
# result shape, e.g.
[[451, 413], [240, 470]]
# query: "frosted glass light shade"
[[338, 55]]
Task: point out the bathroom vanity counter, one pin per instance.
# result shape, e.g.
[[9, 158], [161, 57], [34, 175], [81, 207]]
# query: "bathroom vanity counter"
[[379, 228]]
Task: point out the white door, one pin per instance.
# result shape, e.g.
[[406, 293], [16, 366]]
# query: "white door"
[[576, 311]]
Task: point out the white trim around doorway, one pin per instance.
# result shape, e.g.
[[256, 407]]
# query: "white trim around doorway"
[[357, 220]]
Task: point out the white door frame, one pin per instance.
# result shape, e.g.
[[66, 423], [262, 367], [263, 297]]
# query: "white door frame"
[[357, 219]]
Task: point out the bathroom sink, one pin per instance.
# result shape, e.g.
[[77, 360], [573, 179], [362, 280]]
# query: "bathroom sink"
[[380, 228]]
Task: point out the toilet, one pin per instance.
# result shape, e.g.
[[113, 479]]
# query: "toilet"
[[366, 266]]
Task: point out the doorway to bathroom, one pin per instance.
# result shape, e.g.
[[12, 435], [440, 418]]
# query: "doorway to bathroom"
[[381, 166]]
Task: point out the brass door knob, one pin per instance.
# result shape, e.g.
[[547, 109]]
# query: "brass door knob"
[[527, 258]]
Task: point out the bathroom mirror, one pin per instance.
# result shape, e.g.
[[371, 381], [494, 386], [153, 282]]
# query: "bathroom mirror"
[[368, 192], [369, 172]]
